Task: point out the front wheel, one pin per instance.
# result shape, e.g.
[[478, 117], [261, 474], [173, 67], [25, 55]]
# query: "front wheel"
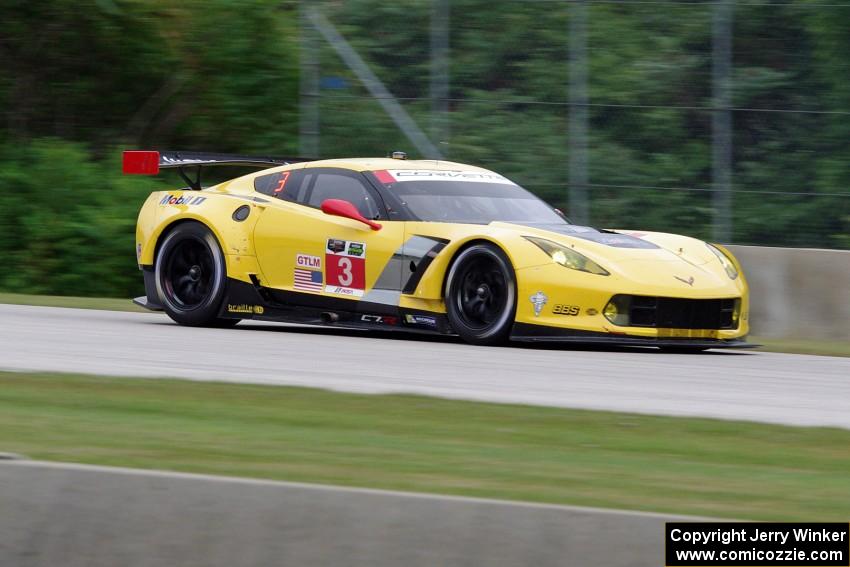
[[481, 295], [191, 276]]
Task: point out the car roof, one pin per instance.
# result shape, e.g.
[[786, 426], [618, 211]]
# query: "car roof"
[[246, 184], [373, 164]]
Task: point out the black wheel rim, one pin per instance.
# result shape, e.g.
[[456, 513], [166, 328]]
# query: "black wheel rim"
[[481, 293], [189, 274]]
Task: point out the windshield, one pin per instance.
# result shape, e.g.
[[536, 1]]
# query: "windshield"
[[475, 197]]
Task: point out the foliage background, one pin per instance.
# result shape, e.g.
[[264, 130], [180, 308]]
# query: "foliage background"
[[82, 80]]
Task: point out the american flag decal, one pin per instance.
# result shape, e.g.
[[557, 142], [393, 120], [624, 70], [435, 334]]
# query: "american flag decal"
[[308, 280]]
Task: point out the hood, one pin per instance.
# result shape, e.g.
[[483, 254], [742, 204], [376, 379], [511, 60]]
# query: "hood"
[[621, 244], [642, 257], [606, 237]]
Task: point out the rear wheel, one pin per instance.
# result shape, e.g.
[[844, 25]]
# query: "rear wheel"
[[191, 276], [481, 295]]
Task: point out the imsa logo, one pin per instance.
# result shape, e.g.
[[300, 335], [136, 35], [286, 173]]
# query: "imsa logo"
[[572, 310]]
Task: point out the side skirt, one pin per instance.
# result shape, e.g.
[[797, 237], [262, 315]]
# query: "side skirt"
[[252, 301], [151, 298]]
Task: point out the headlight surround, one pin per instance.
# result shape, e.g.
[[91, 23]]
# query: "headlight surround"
[[567, 257], [617, 310], [725, 261]]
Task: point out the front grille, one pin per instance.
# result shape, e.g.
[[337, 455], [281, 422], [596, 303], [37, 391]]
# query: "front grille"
[[676, 313]]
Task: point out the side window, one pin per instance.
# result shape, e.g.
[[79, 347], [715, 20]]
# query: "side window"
[[286, 185], [348, 188]]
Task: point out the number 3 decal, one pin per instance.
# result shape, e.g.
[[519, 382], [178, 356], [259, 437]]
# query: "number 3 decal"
[[345, 267], [345, 276]]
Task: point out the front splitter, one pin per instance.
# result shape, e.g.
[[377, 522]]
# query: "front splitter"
[[523, 332]]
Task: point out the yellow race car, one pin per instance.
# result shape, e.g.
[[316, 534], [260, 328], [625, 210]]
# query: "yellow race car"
[[421, 246]]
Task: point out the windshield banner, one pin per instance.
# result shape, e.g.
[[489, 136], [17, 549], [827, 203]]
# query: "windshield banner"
[[400, 175]]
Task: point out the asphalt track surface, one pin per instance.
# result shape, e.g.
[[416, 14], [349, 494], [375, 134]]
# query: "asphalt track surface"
[[741, 385]]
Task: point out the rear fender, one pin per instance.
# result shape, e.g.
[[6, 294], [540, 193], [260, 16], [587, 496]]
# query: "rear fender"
[[233, 231]]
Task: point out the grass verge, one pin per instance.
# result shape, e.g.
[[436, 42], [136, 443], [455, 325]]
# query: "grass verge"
[[804, 346], [107, 303], [691, 466]]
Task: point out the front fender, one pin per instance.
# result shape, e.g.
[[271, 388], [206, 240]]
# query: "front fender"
[[519, 251]]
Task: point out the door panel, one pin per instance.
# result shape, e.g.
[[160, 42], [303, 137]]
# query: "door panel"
[[303, 250]]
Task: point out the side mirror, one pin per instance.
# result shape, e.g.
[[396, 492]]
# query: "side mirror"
[[341, 208]]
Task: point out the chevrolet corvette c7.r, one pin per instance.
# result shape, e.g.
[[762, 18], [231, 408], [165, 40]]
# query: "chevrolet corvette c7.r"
[[422, 246]]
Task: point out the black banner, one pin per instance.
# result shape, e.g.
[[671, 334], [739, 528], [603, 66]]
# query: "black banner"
[[761, 544]]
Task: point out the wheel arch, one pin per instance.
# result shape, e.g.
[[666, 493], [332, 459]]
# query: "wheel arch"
[[168, 227], [464, 246]]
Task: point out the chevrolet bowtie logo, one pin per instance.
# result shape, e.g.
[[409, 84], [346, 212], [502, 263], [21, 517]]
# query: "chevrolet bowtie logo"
[[689, 281]]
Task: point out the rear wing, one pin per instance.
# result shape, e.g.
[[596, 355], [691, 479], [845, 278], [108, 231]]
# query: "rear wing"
[[151, 162]]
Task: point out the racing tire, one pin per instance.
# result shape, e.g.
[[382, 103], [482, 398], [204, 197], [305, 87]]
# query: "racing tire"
[[481, 295], [191, 277]]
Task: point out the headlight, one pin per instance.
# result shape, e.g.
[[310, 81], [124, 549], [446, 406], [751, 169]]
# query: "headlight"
[[567, 257], [725, 260]]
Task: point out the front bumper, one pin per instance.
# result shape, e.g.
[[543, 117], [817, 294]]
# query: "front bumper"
[[568, 305]]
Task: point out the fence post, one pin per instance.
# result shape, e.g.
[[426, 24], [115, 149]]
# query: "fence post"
[[721, 119], [308, 86], [372, 84], [577, 127], [440, 72]]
